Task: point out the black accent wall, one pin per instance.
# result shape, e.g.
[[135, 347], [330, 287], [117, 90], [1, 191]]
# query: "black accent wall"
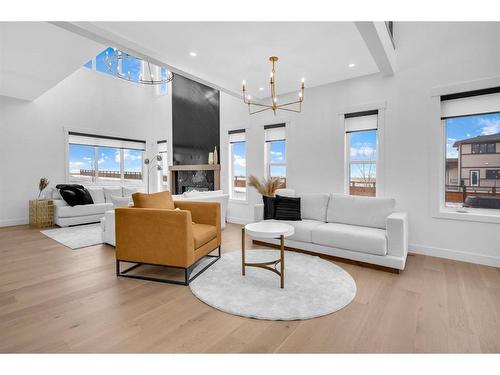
[[195, 121]]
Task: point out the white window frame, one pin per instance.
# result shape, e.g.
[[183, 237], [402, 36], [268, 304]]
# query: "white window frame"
[[163, 152], [437, 148], [231, 167], [476, 172], [96, 181], [380, 157], [267, 156]]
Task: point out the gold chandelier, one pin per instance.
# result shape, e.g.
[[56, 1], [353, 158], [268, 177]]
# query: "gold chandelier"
[[274, 100]]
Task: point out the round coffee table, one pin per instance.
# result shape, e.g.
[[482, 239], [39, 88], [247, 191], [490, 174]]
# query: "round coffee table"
[[267, 229]]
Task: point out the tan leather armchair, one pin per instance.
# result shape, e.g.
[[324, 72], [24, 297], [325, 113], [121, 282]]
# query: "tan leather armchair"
[[173, 238]]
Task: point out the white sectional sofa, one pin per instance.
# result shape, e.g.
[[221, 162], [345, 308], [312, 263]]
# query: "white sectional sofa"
[[363, 229], [208, 196], [108, 221], [66, 215]]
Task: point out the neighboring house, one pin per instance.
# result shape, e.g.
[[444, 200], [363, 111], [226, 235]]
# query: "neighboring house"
[[478, 161], [452, 171]]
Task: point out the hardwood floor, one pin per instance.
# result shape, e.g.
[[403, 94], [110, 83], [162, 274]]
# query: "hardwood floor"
[[53, 299]]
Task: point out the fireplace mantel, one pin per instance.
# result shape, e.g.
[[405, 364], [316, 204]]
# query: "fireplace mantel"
[[175, 169]]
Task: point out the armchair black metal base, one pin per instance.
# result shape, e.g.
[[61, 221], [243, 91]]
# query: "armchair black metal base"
[[187, 271]]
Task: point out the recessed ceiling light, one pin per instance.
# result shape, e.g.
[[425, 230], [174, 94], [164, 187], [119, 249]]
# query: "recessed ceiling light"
[[192, 54], [261, 88], [351, 65]]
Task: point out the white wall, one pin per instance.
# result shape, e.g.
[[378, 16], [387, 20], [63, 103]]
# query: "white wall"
[[32, 140], [428, 55]]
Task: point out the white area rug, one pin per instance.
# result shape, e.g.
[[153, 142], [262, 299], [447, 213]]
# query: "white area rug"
[[76, 237], [313, 287]]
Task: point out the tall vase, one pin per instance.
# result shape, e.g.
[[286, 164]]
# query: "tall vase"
[[216, 156]]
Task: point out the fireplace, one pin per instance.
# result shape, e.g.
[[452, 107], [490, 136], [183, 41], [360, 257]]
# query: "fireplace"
[[201, 177]]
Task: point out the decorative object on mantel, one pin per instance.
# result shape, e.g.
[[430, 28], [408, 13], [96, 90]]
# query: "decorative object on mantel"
[[274, 99], [210, 158], [148, 79], [149, 163], [266, 187], [216, 156]]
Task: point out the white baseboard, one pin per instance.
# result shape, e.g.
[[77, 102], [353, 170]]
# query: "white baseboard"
[[237, 220], [462, 256], [12, 222]]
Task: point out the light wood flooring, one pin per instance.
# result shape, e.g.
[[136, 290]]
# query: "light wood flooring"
[[53, 299]]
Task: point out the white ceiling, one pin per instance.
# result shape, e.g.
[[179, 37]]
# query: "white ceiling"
[[228, 52], [35, 56]]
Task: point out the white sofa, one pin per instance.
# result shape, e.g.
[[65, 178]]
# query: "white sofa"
[[108, 221], [363, 229], [66, 215], [208, 196]]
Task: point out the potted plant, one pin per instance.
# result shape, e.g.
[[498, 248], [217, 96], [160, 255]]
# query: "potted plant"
[[44, 182], [266, 187]]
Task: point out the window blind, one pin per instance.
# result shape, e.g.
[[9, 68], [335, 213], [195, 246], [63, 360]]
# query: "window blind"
[[105, 141], [236, 136], [162, 146], [355, 122], [458, 105], [276, 132]]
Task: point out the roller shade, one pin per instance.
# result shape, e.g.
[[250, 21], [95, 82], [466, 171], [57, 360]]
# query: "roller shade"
[[275, 132], [105, 141], [356, 123], [453, 106], [236, 136], [162, 146]]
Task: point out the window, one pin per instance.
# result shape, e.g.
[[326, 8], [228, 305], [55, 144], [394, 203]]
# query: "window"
[[88, 65], [484, 148], [108, 164], [474, 178], [493, 174], [81, 163], [275, 136], [471, 123], [129, 66], [237, 165], [105, 160], [361, 152], [163, 173], [163, 88], [132, 165], [102, 66]]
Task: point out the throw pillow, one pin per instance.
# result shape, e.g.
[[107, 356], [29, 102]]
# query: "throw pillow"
[[109, 191], [69, 197], [120, 201], [97, 194], [127, 192], [75, 195], [161, 200], [268, 207], [287, 208]]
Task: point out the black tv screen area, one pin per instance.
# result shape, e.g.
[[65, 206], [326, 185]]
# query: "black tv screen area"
[[195, 121]]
